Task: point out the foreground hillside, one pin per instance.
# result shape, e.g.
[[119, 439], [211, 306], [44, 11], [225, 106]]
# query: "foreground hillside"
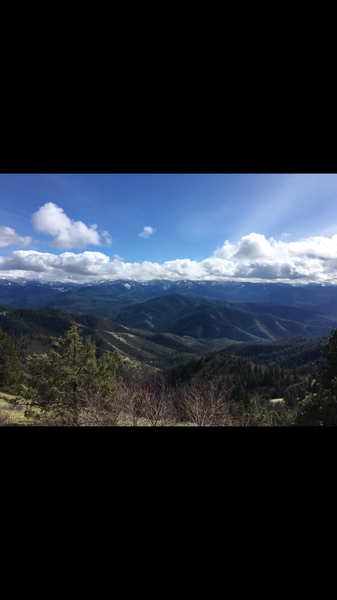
[[74, 387]]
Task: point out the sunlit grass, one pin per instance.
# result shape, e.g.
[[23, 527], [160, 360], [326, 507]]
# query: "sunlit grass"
[[125, 421], [15, 414]]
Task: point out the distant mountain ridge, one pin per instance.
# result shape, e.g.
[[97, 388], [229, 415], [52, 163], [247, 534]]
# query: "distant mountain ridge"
[[111, 299], [208, 319], [239, 325]]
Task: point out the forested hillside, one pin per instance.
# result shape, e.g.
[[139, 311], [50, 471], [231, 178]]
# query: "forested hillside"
[[299, 349], [244, 377], [264, 383], [36, 330]]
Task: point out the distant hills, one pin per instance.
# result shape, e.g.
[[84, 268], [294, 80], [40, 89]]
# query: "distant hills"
[[35, 294], [206, 319], [6, 307], [203, 310]]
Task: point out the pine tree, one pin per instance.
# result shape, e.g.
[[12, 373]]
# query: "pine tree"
[[72, 386], [320, 407], [11, 368], [327, 372], [296, 374]]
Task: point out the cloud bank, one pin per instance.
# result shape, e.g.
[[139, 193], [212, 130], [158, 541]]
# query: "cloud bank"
[[311, 259], [253, 258], [52, 220]]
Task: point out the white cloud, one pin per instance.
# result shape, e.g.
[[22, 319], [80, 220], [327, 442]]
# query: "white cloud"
[[68, 263], [9, 236], [89, 265], [253, 258], [147, 232], [107, 237], [52, 220], [311, 259]]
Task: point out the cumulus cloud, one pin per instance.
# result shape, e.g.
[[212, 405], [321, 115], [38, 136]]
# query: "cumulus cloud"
[[9, 236], [253, 258], [310, 259], [51, 219], [147, 232], [68, 263]]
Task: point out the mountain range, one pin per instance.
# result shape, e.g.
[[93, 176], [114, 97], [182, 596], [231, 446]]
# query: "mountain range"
[[205, 310], [161, 323], [20, 293]]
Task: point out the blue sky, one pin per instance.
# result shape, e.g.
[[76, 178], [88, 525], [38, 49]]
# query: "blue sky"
[[270, 227]]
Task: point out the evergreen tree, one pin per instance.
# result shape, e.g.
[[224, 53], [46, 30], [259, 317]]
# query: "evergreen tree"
[[320, 407], [277, 372], [72, 386], [296, 375], [266, 377], [291, 397], [11, 368], [327, 372], [287, 381]]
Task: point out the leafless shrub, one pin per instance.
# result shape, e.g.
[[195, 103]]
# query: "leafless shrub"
[[132, 403], [99, 411], [158, 407], [149, 401], [205, 404]]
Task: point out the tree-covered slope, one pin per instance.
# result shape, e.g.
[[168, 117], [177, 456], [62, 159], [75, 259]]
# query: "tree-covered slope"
[[239, 325], [183, 314], [35, 330], [153, 313], [299, 349]]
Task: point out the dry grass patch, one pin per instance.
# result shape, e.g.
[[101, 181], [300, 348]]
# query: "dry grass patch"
[[9, 412]]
